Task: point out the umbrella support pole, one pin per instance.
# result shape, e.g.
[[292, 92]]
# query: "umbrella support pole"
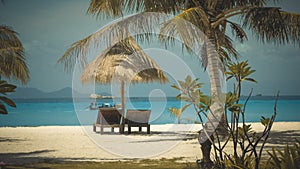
[[123, 106]]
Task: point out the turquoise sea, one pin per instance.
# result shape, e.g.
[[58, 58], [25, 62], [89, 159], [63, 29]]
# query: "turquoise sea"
[[45, 112]]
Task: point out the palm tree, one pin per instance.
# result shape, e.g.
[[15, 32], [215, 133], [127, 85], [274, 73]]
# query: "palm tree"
[[12, 58], [12, 64], [214, 19]]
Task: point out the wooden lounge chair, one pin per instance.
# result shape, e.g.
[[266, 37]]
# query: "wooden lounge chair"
[[138, 118], [108, 117]]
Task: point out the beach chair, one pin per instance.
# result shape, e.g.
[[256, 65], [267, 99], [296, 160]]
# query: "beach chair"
[[138, 118], [108, 117]]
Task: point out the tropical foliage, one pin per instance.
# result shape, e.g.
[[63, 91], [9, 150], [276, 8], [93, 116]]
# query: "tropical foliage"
[[240, 73], [245, 141], [289, 158], [12, 57], [4, 89], [177, 112], [212, 17], [190, 92], [243, 137], [12, 64]]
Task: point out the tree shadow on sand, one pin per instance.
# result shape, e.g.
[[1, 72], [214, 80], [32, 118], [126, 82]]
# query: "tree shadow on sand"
[[6, 139], [282, 138], [23, 157], [34, 157]]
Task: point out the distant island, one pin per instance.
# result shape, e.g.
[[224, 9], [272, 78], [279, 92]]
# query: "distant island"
[[34, 93]]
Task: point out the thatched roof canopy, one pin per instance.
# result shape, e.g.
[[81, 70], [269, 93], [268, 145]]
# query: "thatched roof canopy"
[[125, 61]]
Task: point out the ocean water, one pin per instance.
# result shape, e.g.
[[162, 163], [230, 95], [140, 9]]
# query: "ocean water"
[[45, 112]]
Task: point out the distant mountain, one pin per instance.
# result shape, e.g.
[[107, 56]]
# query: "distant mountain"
[[33, 93], [62, 93], [24, 93]]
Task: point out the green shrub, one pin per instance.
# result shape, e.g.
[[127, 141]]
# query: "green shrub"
[[289, 158]]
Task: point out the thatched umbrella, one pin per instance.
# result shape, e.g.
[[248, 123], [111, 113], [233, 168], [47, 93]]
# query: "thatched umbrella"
[[123, 62]]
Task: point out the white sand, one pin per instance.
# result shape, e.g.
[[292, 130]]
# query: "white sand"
[[32, 144]]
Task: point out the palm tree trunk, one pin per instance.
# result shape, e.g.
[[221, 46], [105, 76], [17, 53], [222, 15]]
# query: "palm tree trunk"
[[216, 109]]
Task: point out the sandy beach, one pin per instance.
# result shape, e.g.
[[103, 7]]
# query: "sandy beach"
[[37, 144]]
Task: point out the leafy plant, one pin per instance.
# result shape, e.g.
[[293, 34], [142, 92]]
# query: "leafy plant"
[[212, 17], [240, 73], [289, 158], [4, 89], [12, 64], [243, 137], [178, 111], [12, 56], [190, 92]]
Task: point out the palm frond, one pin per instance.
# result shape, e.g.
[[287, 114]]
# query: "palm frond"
[[118, 7], [110, 35], [165, 6], [225, 4], [270, 24], [109, 7], [196, 16], [292, 22], [225, 47], [189, 26], [238, 31], [12, 57]]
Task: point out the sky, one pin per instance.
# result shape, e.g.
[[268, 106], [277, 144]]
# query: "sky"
[[47, 28]]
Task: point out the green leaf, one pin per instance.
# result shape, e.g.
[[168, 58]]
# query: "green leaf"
[[265, 121], [251, 80], [3, 110], [8, 101], [175, 86], [178, 97], [7, 88], [240, 71], [188, 79], [236, 108], [185, 107]]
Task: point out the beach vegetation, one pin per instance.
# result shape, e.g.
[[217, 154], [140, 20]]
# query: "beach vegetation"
[[240, 72], [6, 88], [12, 56], [12, 65], [248, 144], [215, 18], [288, 158], [177, 112], [191, 94]]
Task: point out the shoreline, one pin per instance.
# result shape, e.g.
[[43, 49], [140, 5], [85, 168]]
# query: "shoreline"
[[19, 145], [79, 125]]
